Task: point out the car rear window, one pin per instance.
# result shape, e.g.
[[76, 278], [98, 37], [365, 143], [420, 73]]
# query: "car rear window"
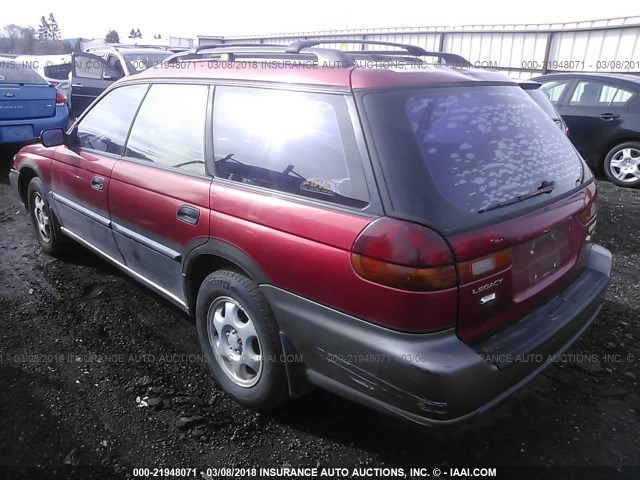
[[448, 154], [58, 72], [14, 72]]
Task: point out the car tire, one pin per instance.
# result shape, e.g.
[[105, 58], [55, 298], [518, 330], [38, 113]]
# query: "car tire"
[[52, 240], [622, 164], [236, 327]]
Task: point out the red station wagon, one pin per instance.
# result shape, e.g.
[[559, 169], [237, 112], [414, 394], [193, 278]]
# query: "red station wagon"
[[413, 236]]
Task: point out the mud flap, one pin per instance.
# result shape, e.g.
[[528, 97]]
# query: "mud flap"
[[297, 378]]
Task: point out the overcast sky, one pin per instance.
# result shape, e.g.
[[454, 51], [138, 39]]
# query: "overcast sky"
[[189, 19]]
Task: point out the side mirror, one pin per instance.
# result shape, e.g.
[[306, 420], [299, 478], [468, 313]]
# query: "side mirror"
[[53, 137]]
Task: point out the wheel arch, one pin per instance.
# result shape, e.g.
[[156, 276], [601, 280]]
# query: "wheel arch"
[[614, 143], [212, 256], [218, 255], [27, 173]]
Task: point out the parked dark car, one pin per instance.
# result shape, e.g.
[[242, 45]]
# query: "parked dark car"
[[28, 104], [537, 95], [419, 242], [602, 112]]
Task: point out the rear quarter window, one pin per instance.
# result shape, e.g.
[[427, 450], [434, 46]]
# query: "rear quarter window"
[[293, 142]]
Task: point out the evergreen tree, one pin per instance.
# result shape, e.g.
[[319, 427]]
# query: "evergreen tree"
[[112, 37], [54, 30], [43, 29]]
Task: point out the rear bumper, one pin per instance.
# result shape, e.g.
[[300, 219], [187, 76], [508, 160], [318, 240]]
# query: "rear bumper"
[[32, 127], [436, 378]]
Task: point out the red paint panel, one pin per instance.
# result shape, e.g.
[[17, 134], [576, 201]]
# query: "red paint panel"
[[146, 199], [100, 165], [312, 259], [517, 230], [546, 243], [266, 72], [333, 76], [322, 225], [36, 155], [71, 176], [187, 188], [385, 78]]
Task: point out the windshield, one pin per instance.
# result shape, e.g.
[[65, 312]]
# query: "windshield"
[[142, 61], [472, 147], [15, 72]]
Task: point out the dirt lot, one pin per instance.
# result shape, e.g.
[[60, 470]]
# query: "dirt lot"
[[97, 370]]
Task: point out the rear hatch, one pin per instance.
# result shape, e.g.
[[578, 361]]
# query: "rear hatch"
[[490, 171], [24, 94]]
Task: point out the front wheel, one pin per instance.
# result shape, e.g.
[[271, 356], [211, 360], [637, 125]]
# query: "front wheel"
[[240, 338], [51, 239], [622, 164]]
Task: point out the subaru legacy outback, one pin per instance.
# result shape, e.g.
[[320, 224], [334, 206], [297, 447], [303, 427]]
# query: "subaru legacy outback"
[[418, 240]]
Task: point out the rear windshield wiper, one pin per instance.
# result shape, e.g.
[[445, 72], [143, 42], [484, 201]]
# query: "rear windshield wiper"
[[545, 187]]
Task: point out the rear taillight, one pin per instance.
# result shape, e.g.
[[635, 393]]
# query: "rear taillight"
[[403, 255], [589, 213], [60, 100]]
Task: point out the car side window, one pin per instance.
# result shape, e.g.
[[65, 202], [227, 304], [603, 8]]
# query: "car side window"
[[88, 67], [553, 89], [104, 128], [589, 93], [169, 128], [294, 142], [116, 64]]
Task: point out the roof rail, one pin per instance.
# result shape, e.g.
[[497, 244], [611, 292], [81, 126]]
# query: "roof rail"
[[224, 48], [414, 50], [212, 46], [297, 50], [295, 47]]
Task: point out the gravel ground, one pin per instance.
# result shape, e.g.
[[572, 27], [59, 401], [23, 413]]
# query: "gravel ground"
[[97, 370]]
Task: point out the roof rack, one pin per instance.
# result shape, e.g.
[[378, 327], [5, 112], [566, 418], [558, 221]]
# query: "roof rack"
[[231, 51], [125, 46], [224, 48], [414, 50], [199, 48]]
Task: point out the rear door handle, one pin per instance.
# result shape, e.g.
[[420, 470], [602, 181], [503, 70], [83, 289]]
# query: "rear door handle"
[[609, 116], [97, 183], [188, 214], [77, 85]]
